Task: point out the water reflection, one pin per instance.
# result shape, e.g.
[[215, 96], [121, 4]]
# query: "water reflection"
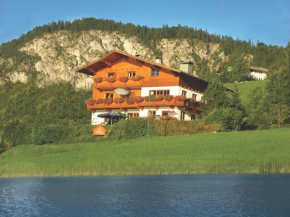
[[176, 195]]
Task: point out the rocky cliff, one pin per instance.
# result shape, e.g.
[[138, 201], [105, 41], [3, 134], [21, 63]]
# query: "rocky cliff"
[[59, 53]]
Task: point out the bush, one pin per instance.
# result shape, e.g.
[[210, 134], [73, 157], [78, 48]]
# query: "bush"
[[229, 118], [129, 129]]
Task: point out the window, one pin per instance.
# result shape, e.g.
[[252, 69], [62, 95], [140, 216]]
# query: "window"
[[111, 75], [159, 92], [154, 72], [132, 115], [131, 74], [183, 93], [194, 96], [193, 117], [109, 96], [152, 114], [182, 115]]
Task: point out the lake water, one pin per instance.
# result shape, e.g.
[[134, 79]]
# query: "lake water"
[[169, 195]]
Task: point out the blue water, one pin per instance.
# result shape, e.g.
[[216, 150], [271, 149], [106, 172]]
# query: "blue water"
[[170, 195]]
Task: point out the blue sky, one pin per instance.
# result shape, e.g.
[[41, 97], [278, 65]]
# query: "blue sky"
[[265, 20]]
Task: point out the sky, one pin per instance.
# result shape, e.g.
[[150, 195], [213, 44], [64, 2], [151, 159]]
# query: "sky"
[[266, 21]]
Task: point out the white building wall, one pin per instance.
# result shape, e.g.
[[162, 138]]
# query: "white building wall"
[[257, 75], [173, 90]]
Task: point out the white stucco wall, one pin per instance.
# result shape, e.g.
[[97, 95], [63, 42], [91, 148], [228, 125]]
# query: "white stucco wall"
[[257, 75], [173, 90]]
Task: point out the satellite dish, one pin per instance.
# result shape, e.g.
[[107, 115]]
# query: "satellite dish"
[[121, 91]]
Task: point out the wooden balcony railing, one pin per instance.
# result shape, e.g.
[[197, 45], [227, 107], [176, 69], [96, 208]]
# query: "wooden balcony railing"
[[186, 104], [105, 85]]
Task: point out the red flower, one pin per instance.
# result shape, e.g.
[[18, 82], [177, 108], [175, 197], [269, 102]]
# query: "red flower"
[[89, 102], [130, 101], [180, 98], [111, 79], [139, 99], [123, 79], [119, 100], [159, 97], [99, 101], [168, 97], [108, 101]]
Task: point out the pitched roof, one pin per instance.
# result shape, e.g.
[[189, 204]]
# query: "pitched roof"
[[115, 55], [260, 69]]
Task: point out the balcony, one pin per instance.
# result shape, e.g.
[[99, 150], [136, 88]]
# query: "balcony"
[[109, 85], [135, 104]]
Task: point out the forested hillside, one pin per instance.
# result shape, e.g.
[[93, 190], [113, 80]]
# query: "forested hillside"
[[52, 51]]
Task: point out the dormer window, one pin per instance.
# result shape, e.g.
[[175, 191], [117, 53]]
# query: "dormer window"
[[154, 72]]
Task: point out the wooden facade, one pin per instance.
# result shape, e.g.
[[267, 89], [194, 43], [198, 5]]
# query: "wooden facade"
[[172, 88]]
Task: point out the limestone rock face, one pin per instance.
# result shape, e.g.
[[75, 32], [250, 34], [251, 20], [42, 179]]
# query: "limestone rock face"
[[62, 52]]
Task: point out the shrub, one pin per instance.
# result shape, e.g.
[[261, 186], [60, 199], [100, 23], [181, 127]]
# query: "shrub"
[[134, 128], [229, 118]]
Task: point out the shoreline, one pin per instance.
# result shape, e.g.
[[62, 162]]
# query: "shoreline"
[[140, 175]]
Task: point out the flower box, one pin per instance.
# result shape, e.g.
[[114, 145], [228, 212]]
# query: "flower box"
[[111, 79], [119, 100], [180, 98], [123, 79], [89, 102], [137, 78], [98, 79], [167, 118], [159, 97], [108, 101], [99, 101], [130, 101], [139, 99], [168, 97]]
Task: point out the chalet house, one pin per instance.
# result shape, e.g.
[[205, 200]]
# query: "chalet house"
[[141, 88], [257, 73]]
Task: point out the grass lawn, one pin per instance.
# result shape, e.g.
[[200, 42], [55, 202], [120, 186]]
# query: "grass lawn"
[[245, 87], [234, 152]]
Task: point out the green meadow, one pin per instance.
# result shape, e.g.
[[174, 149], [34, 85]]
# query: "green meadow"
[[245, 87], [260, 151]]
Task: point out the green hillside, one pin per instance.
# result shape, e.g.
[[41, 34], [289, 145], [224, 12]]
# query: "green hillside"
[[245, 87], [235, 152]]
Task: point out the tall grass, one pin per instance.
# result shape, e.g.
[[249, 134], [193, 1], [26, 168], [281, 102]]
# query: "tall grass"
[[265, 151]]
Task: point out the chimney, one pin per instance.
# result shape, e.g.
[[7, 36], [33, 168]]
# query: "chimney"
[[158, 60], [186, 67]]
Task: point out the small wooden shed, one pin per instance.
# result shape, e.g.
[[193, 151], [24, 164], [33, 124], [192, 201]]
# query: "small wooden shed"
[[99, 130]]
